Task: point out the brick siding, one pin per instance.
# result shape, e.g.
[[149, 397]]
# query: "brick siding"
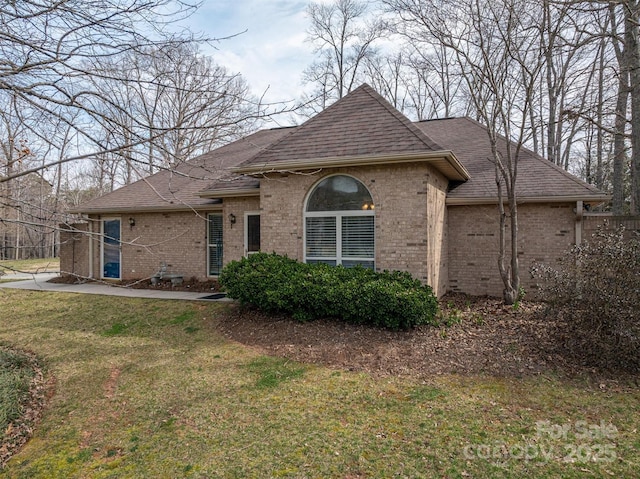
[[409, 204], [546, 231], [452, 248], [233, 234], [178, 239]]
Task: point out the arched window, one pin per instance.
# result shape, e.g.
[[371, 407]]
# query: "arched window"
[[340, 223]]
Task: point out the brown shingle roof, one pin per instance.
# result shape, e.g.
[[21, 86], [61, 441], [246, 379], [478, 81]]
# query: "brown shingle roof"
[[361, 124], [537, 177], [181, 189]]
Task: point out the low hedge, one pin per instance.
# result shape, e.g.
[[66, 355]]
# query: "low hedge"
[[277, 284]]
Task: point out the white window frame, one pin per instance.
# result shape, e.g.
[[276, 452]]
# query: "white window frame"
[[338, 215], [246, 231]]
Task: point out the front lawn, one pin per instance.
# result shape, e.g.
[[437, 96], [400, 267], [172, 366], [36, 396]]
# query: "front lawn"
[[38, 265], [147, 388]]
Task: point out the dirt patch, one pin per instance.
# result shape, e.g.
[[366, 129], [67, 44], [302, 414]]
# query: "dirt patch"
[[111, 384], [483, 337]]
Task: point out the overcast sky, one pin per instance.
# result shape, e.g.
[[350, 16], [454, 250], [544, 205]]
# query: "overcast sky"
[[271, 54]]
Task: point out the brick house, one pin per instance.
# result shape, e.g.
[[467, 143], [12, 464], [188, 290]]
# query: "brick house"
[[359, 183]]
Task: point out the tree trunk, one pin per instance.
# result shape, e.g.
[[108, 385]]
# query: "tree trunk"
[[633, 58], [508, 274], [620, 122]]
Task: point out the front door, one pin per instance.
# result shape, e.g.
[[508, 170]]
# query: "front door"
[[214, 241], [111, 258]]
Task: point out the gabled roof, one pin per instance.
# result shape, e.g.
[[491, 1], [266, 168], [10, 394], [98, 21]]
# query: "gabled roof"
[[538, 179], [181, 188], [361, 128]]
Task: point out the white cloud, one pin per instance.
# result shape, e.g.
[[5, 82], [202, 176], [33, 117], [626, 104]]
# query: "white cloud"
[[272, 54]]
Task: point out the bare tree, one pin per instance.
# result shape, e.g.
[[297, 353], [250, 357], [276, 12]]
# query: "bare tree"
[[632, 47], [197, 103], [385, 73], [64, 64], [495, 46], [184, 105], [622, 100], [434, 84], [45, 51], [344, 36], [619, 34]]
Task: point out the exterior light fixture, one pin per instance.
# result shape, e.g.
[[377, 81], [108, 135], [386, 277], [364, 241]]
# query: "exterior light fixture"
[[232, 218], [132, 221]]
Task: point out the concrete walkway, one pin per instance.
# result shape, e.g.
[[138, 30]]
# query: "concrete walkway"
[[38, 282]]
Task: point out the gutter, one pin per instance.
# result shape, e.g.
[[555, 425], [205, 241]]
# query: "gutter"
[[493, 200], [229, 193], [460, 173], [147, 209]]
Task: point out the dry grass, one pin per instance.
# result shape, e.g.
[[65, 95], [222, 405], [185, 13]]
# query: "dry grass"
[[43, 265], [151, 389]]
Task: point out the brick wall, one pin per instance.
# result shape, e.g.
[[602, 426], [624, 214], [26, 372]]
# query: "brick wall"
[[178, 239], [233, 234], [546, 231], [409, 201], [74, 250], [453, 248]]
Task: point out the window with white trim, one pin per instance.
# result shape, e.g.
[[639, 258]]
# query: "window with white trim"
[[340, 223]]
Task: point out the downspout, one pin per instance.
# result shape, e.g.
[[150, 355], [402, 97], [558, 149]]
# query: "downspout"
[[90, 248], [73, 254], [579, 214]]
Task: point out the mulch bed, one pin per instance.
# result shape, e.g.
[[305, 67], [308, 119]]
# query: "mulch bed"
[[489, 339], [191, 284]]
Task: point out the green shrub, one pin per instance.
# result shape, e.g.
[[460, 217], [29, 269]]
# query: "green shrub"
[[597, 288], [277, 284]]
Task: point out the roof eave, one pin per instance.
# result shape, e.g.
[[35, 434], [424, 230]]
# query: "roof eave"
[[144, 209], [230, 193], [452, 169], [492, 200]]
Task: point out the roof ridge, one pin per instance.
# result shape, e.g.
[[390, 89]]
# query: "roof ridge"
[[300, 127], [423, 137], [365, 93]]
